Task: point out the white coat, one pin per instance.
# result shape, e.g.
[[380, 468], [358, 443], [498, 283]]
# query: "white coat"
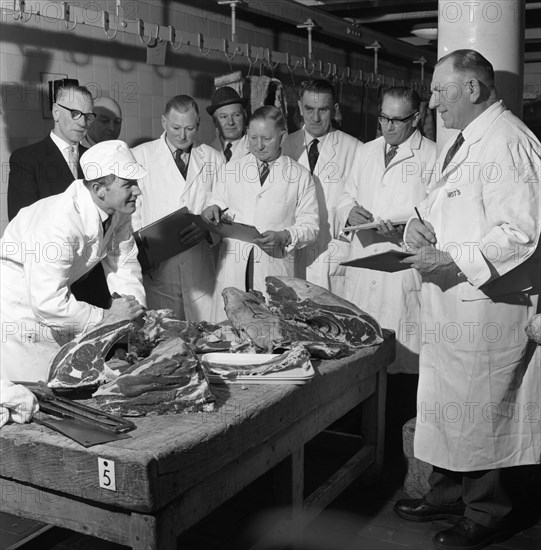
[[392, 192], [287, 200], [48, 246], [319, 263], [479, 384], [184, 283], [239, 148]]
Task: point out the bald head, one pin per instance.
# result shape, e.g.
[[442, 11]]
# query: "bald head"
[[108, 120]]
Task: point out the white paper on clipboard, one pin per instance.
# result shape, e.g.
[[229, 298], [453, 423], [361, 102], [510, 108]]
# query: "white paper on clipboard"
[[372, 225], [231, 230]]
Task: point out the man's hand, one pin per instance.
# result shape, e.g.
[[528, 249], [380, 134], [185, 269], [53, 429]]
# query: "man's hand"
[[192, 235], [122, 308], [429, 261], [211, 214], [16, 403], [420, 234], [272, 242], [393, 232], [359, 215]]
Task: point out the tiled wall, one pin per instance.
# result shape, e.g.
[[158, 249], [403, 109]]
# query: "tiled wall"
[[118, 68]]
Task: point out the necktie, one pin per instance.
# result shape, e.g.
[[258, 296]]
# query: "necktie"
[[106, 224], [313, 155], [390, 154], [73, 159], [227, 152], [454, 148], [182, 166], [263, 172]]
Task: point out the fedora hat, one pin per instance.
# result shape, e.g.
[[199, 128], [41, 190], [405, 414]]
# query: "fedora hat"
[[225, 96]]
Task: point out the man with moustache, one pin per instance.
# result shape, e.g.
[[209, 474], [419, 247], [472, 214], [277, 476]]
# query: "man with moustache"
[[270, 191], [477, 250], [106, 125], [48, 167], [329, 155], [181, 174], [52, 243], [227, 110]]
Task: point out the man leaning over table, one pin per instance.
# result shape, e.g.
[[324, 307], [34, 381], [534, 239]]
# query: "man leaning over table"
[[181, 173], [57, 240]]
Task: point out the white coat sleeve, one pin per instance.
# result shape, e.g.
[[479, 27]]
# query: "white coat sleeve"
[[47, 277], [121, 267], [511, 202], [17, 403], [351, 187], [219, 195], [306, 227]]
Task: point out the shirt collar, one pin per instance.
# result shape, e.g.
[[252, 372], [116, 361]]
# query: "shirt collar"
[[59, 142], [308, 138]]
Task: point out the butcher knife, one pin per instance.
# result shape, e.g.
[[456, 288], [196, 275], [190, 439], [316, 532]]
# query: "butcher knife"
[[86, 425]]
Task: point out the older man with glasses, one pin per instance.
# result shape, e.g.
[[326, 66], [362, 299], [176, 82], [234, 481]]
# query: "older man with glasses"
[[389, 177], [48, 167]]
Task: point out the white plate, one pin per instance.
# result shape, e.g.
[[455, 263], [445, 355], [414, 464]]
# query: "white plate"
[[300, 375]]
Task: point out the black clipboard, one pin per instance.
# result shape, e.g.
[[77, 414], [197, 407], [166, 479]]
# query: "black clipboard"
[[159, 240], [389, 261], [229, 229]]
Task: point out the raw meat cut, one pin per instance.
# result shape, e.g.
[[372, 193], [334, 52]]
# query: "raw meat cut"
[[170, 379], [333, 317], [81, 362], [162, 324], [251, 317]]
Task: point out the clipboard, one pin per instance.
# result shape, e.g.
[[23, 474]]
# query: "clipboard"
[[159, 240], [389, 261], [372, 225], [229, 229]]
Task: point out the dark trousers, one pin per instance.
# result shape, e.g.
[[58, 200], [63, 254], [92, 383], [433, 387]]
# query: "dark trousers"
[[493, 498]]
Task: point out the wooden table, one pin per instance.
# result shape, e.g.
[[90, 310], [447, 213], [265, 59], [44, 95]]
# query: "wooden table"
[[176, 469]]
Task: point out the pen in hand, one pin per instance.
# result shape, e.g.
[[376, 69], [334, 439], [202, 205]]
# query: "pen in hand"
[[419, 216], [224, 220]]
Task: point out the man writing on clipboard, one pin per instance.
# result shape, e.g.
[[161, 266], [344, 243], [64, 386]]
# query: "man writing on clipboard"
[[268, 190]]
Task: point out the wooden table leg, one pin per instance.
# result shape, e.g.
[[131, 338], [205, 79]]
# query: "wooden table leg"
[[152, 533]]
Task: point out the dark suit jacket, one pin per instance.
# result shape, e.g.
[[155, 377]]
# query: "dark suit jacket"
[[38, 171], [35, 172]]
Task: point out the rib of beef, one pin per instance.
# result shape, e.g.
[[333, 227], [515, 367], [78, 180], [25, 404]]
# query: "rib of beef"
[[170, 379], [269, 332], [333, 317], [81, 362]]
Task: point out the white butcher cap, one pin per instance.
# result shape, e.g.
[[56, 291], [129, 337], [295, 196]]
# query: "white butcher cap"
[[111, 157]]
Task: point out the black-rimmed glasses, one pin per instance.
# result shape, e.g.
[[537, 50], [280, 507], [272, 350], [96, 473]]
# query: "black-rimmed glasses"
[[395, 121], [76, 115]]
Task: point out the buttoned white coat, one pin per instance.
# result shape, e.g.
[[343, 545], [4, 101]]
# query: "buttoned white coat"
[[48, 246], [287, 200], [392, 192], [480, 378], [319, 263], [184, 283]]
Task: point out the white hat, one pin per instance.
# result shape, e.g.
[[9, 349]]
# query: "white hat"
[[111, 157]]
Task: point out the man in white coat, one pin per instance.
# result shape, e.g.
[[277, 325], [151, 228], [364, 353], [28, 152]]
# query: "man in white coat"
[[227, 110], [272, 192], [480, 378], [54, 242], [388, 179], [181, 174], [329, 155]]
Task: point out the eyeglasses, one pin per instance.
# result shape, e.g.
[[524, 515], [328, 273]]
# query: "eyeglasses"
[[395, 121], [76, 115]]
